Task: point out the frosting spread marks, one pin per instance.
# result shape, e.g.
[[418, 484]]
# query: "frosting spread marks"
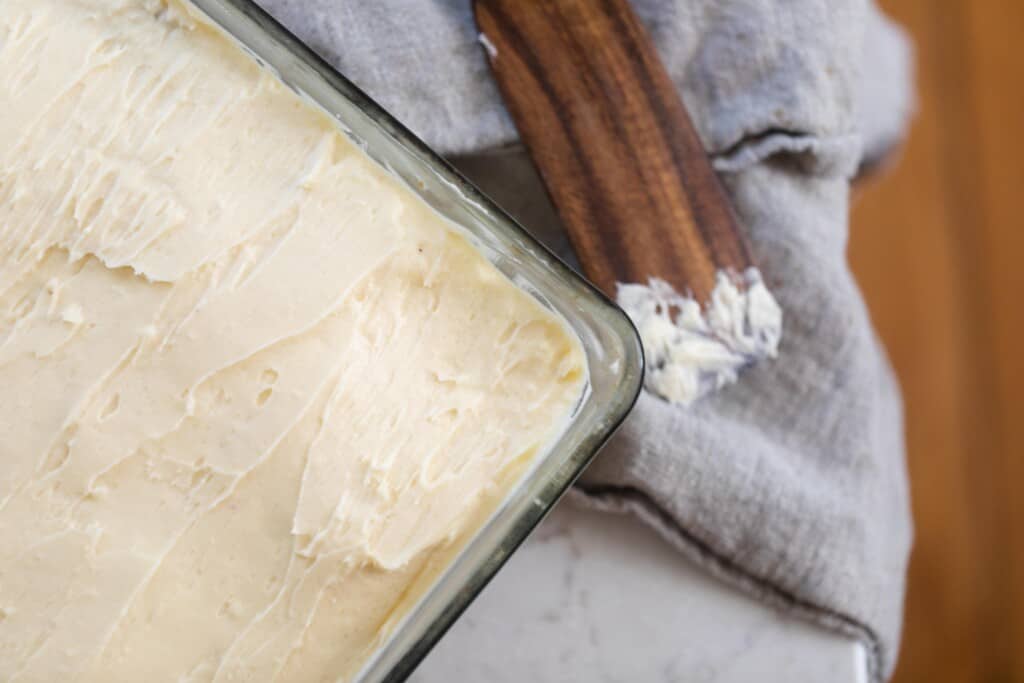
[[252, 388]]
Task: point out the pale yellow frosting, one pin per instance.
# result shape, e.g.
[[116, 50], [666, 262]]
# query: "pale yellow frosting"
[[254, 395]]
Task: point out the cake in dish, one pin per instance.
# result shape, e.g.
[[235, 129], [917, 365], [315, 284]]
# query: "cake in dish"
[[255, 395]]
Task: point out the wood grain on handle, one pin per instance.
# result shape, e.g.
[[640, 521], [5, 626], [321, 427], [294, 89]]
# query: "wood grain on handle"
[[613, 142]]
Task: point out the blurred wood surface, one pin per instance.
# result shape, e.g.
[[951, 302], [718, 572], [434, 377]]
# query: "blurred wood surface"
[[937, 245]]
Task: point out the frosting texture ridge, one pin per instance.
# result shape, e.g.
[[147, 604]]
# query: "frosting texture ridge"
[[252, 391]]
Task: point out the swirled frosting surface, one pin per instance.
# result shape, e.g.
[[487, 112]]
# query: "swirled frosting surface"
[[254, 394]]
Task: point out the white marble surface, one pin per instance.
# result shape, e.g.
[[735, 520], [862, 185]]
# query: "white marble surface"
[[598, 597]]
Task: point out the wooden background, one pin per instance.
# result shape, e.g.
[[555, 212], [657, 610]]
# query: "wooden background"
[[937, 244]]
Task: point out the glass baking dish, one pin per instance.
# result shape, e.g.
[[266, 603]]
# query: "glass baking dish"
[[613, 352]]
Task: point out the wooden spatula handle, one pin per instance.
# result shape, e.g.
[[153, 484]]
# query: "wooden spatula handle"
[[613, 142]]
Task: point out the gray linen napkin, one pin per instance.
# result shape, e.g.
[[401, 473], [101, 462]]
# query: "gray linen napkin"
[[791, 483]]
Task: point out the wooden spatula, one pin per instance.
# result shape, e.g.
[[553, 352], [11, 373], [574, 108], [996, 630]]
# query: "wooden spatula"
[[622, 162]]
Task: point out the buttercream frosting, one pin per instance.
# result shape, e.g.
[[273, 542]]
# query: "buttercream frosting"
[[692, 348], [255, 393]]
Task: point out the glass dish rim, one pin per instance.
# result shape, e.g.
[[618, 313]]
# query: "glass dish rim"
[[234, 17]]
